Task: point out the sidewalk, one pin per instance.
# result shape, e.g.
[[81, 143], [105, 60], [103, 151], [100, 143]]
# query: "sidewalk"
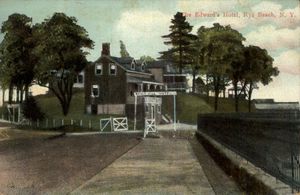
[[155, 166]]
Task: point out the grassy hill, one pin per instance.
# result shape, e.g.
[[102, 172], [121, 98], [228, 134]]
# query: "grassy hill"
[[188, 106]]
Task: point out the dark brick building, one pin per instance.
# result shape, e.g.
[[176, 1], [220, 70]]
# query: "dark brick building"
[[110, 83]]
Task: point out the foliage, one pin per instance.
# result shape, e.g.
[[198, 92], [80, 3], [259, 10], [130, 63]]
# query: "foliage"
[[17, 61], [60, 43], [180, 38], [123, 51], [147, 58], [31, 110], [258, 67], [222, 46]]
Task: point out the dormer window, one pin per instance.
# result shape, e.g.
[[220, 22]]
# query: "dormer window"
[[112, 69], [132, 65], [98, 69], [143, 67], [95, 91]]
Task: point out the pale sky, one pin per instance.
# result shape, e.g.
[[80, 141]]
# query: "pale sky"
[[141, 23]]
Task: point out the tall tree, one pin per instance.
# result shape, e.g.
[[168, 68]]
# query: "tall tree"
[[258, 68], [60, 49], [221, 45], [17, 61], [123, 51], [180, 38], [237, 73]]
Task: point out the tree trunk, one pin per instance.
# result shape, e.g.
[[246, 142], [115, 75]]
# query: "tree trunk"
[[26, 90], [180, 59], [249, 96], [194, 81], [236, 96], [18, 95], [207, 89], [3, 96], [21, 94], [10, 93], [217, 90]]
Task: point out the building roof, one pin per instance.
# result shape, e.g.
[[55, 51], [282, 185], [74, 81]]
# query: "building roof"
[[126, 63], [131, 79], [167, 66]]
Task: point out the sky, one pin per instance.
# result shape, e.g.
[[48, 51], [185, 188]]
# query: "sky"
[[273, 25]]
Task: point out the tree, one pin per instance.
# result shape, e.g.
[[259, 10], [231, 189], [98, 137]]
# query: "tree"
[[258, 68], [31, 110], [147, 58], [180, 39], [221, 45], [17, 61], [123, 51], [237, 73], [60, 43]]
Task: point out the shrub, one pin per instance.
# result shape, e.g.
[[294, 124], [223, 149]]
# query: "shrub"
[[31, 110]]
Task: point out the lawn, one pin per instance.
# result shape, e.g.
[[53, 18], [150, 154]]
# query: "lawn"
[[187, 108], [190, 105]]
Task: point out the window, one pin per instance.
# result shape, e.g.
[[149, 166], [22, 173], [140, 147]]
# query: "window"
[[158, 109], [113, 69], [95, 91], [147, 108], [98, 69], [132, 65], [80, 78]]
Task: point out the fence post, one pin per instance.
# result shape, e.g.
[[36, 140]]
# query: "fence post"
[[62, 122], [90, 124], [80, 123], [53, 122], [111, 124], [47, 123], [100, 124], [71, 121], [38, 123]]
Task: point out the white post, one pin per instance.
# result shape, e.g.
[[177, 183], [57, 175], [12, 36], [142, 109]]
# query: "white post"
[[71, 121], [80, 123], [19, 114], [135, 102], [174, 102]]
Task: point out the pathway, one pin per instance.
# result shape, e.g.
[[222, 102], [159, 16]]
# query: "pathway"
[[155, 166]]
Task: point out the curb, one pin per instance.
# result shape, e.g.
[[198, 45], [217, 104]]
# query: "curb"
[[251, 178]]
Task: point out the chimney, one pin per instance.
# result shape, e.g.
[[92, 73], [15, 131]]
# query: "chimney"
[[105, 49]]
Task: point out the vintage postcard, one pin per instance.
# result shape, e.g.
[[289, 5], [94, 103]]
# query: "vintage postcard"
[[154, 97]]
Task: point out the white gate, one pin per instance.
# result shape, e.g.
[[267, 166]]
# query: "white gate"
[[120, 124], [150, 126], [104, 122]]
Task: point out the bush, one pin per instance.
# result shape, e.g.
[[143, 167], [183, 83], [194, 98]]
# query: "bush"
[[31, 110]]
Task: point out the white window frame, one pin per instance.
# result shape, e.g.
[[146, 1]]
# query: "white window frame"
[[132, 66], [96, 68], [110, 65], [94, 87]]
